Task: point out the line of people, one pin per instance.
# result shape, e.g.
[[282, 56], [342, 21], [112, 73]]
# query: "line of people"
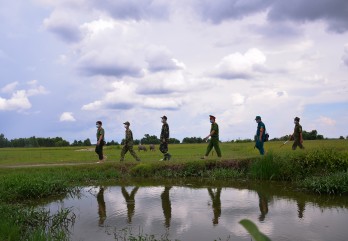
[[260, 137]]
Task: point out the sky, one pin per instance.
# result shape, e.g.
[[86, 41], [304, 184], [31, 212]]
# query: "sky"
[[66, 64]]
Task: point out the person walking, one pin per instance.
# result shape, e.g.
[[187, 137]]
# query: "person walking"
[[297, 135], [260, 135], [164, 139], [100, 141], [128, 144], [214, 140]]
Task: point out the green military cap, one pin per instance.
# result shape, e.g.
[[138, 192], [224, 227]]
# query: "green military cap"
[[258, 117], [127, 123], [164, 117], [297, 119]]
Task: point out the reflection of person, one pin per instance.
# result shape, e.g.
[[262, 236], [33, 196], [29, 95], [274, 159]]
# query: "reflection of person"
[[214, 141], [301, 206], [164, 139], [166, 206], [215, 198], [128, 144], [260, 135], [297, 135], [263, 205], [100, 141], [129, 198], [101, 206]]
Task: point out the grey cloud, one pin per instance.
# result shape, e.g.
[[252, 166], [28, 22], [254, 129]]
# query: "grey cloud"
[[220, 10], [277, 30], [120, 106], [134, 9], [148, 90], [161, 62], [110, 70], [67, 33], [335, 12], [345, 56]]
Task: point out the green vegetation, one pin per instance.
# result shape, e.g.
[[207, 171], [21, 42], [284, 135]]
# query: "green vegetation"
[[322, 168], [253, 230]]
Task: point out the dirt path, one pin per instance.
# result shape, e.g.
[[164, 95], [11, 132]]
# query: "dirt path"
[[50, 165]]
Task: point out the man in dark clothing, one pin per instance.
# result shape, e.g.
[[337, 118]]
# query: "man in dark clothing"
[[164, 138], [297, 135], [260, 135]]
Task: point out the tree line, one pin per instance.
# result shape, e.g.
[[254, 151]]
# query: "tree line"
[[146, 140]]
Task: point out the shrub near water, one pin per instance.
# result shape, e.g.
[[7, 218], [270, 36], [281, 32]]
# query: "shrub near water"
[[23, 186]]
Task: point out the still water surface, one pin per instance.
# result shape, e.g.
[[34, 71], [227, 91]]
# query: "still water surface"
[[204, 212]]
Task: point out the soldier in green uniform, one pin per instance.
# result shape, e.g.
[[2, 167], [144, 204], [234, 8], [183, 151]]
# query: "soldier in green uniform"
[[260, 135], [164, 139], [128, 145], [214, 140], [297, 135], [100, 141]]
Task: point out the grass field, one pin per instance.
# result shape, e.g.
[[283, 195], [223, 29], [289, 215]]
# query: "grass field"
[[46, 172], [180, 152]]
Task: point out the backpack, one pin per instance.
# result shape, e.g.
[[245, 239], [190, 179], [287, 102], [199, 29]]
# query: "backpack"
[[266, 137]]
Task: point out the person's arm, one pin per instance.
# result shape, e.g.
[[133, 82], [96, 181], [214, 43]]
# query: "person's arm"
[[211, 133], [261, 133], [301, 139], [100, 138]]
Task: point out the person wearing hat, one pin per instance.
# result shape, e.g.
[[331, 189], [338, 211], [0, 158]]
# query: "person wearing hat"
[[214, 140], [260, 135], [128, 144], [297, 135], [164, 139], [100, 141]]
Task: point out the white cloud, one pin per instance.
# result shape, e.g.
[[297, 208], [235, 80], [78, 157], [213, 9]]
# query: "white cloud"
[[327, 121], [239, 66], [67, 117], [9, 88], [19, 99]]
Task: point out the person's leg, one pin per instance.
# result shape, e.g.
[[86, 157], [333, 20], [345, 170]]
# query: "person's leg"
[[262, 150], [259, 146], [294, 145], [123, 152], [164, 150], [209, 147], [132, 152], [217, 147], [99, 151], [101, 156], [300, 145]]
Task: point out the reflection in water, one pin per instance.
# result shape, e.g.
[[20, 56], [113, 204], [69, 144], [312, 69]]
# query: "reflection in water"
[[301, 206], [101, 206], [166, 206], [215, 198], [130, 201], [167, 210], [263, 204]]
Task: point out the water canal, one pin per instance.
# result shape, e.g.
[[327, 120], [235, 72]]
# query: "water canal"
[[204, 211]]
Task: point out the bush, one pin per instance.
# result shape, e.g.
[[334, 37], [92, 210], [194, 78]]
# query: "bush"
[[336, 183]]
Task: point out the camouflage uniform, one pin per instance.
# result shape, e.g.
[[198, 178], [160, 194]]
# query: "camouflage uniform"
[[164, 141], [128, 146], [214, 140], [297, 133]]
